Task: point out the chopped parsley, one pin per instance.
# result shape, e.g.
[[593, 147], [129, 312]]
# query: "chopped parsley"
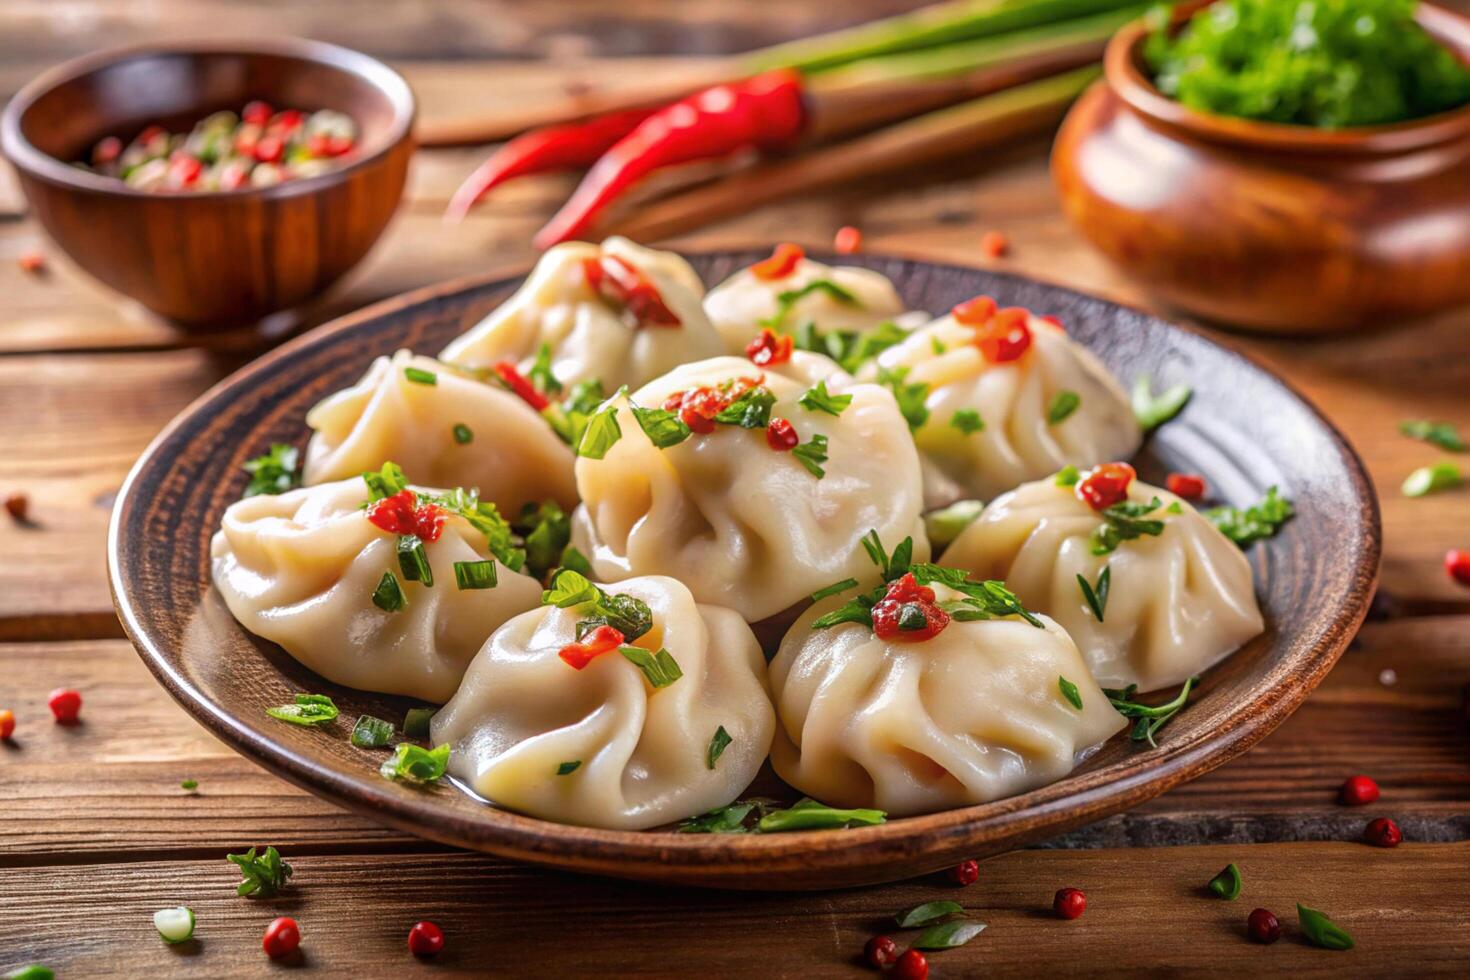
[[851, 349], [910, 397], [386, 481], [968, 421], [1097, 596], [1148, 719], [1258, 521], [308, 710], [265, 875], [274, 472], [411, 763], [500, 540], [1153, 411], [540, 374], [664, 428], [751, 410], [818, 399], [788, 298], [812, 454], [1062, 407], [600, 433], [1126, 521], [661, 669], [1441, 434], [569, 418], [626, 614], [717, 745], [545, 531]]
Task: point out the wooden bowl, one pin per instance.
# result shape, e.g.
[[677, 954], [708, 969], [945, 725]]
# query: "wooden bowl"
[[1266, 226], [1244, 429], [222, 257]]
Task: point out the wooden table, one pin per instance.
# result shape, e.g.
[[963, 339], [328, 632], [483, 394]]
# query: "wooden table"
[[98, 834]]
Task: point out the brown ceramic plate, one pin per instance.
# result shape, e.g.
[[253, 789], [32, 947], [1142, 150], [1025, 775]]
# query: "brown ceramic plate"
[[1244, 429]]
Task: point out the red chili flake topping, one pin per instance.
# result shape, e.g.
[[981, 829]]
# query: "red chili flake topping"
[[602, 640], [910, 966], [880, 952], [1069, 903], [7, 724], [403, 514], [521, 385], [965, 873], [697, 407], [847, 241], [974, 312], [994, 244], [1006, 337], [769, 349], [1190, 486], [1383, 832], [781, 435], [256, 112], [1358, 791], [65, 705], [627, 288], [1105, 485], [1263, 927], [782, 263], [1457, 564], [425, 939], [907, 612], [32, 262], [282, 937]]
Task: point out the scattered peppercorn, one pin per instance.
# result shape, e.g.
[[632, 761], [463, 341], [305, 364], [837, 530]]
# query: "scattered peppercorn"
[[425, 939], [33, 263], [65, 705], [994, 244], [1263, 927], [911, 966], [1358, 791], [18, 505], [965, 873], [282, 937], [7, 725], [1383, 832], [1190, 486], [1457, 564], [1069, 903], [848, 240], [880, 952]]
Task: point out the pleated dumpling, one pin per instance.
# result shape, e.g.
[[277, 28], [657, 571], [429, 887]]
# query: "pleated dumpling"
[[999, 397], [763, 501], [618, 313], [880, 710], [446, 429], [832, 298], [1178, 594], [559, 719], [311, 571]]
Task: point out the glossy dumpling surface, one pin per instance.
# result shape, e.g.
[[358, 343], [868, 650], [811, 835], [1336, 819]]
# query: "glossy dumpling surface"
[[642, 753], [589, 337], [511, 453], [971, 715], [1177, 602], [742, 304], [300, 569], [741, 524], [1013, 401]]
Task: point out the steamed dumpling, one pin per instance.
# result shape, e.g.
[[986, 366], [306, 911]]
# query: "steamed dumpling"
[[301, 570], [989, 423], [973, 714], [742, 524], [747, 301], [453, 432], [591, 333], [1177, 602], [631, 756]]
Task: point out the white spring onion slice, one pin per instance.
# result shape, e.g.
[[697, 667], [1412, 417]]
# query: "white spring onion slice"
[[174, 925]]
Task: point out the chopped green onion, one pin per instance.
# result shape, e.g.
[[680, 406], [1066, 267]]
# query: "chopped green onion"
[[388, 596], [967, 420], [1062, 406], [1070, 692], [415, 764], [462, 434], [420, 377], [275, 472], [661, 669], [567, 768], [471, 575], [1441, 434], [1226, 884], [371, 733], [1097, 598], [1068, 476], [1431, 479], [1322, 931], [387, 481], [808, 814], [413, 560], [601, 434], [818, 399], [834, 589], [309, 709], [1152, 412], [174, 925], [1258, 521], [416, 722], [944, 525], [717, 746], [927, 914]]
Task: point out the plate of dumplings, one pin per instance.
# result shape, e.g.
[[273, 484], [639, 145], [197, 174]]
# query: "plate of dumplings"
[[756, 569]]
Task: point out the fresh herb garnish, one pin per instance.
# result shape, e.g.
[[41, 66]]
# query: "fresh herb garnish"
[[1068, 476], [788, 298], [189, 784], [274, 472], [413, 560], [371, 733], [1152, 412], [948, 935], [937, 346], [717, 745], [661, 669], [545, 530], [812, 454], [927, 914], [808, 814], [388, 596], [474, 575], [420, 377], [1322, 931], [1432, 479], [569, 418], [1258, 521], [308, 710], [388, 480], [944, 525], [462, 434], [664, 428], [1097, 596], [819, 399], [751, 410], [1062, 406], [834, 589], [1226, 884], [1126, 521], [600, 434], [910, 397], [737, 818], [1441, 434], [574, 560], [627, 614], [416, 722], [967, 420], [1070, 692], [567, 768], [415, 764], [1149, 718], [850, 348], [264, 875], [540, 374], [483, 516]]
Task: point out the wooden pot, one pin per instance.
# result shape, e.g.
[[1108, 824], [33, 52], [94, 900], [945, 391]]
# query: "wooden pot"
[[1266, 226]]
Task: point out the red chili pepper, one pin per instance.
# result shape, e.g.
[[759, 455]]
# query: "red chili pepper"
[[1006, 337], [256, 112], [270, 149], [848, 240], [994, 244], [106, 151], [602, 640], [7, 725], [781, 435], [521, 385], [184, 170], [765, 112], [402, 514], [768, 348], [626, 287], [782, 263], [287, 121], [543, 151], [65, 705], [974, 312], [1105, 485], [907, 612], [33, 263], [1190, 486]]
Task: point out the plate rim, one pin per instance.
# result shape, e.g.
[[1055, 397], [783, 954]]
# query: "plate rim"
[[665, 855]]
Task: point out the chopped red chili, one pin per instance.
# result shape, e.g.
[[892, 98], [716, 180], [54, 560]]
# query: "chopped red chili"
[[107, 150], [257, 112], [602, 640], [629, 291], [782, 263], [521, 385], [1190, 486], [781, 435], [769, 349], [1105, 485], [697, 407], [1006, 336], [403, 514], [908, 612], [994, 244], [974, 312], [847, 241], [32, 262]]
